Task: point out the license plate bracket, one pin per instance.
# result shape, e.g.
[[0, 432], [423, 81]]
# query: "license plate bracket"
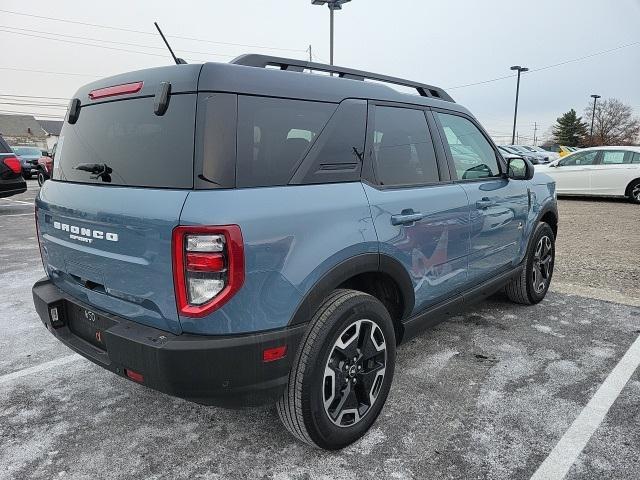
[[88, 324]]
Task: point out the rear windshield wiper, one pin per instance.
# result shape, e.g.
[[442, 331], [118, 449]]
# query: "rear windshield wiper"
[[99, 170]]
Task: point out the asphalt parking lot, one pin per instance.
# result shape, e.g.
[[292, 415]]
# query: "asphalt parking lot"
[[487, 394]]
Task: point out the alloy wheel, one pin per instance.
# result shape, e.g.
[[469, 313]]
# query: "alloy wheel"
[[635, 193], [542, 264], [354, 373]]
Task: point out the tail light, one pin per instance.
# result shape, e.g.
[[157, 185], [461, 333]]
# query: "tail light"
[[208, 267], [13, 163], [114, 90]]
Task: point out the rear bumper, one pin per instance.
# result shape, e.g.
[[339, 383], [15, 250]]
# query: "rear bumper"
[[226, 371], [12, 187]]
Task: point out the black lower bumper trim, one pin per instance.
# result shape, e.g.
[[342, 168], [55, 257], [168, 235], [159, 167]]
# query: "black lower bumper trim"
[[226, 371]]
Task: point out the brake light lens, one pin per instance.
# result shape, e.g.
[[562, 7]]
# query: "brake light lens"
[[13, 163], [208, 267], [114, 90]]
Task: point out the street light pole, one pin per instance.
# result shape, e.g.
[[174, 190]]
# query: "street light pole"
[[330, 35], [515, 113], [333, 5], [593, 115]]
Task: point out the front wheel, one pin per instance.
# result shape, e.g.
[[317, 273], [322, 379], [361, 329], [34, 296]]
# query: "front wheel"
[[532, 284], [342, 373], [41, 178]]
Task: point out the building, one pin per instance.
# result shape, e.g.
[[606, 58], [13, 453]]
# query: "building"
[[52, 127], [23, 130]]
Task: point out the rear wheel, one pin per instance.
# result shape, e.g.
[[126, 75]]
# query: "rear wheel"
[[41, 178], [343, 372], [532, 284], [634, 191]]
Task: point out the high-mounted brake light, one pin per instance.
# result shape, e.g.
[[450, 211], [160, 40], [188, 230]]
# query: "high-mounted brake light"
[[208, 267], [114, 90], [13, 163]]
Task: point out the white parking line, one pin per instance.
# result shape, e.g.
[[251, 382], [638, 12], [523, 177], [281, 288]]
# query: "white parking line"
[[17, 201], [566, 452], [39, 368]]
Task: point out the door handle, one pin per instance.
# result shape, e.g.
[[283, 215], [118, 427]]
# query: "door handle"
[[407, 216], [486, 202]]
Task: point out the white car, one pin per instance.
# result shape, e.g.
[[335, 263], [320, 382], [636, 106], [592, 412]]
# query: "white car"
[[607, 171]]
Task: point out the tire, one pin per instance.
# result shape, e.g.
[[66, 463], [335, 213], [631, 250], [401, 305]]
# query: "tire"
[[633, 191], [41, 178], [27, 176], [531, 286], [311, 408]]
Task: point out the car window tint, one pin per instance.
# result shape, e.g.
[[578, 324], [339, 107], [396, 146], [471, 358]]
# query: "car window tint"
[[472, 153], [580, 158], [273, 137], [636, 158], [615, 157], [404, 152]]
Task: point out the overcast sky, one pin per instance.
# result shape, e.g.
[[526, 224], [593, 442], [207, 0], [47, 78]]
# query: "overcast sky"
[[444, 43]]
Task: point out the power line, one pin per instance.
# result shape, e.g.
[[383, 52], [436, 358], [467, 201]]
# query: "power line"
[[33, 96], [86, 44], [49, 115], [22, 104], [121, 29], [15, 69], [546, 67], [114, 42]]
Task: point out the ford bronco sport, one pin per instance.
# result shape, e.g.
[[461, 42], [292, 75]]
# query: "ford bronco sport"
[[252, 232]]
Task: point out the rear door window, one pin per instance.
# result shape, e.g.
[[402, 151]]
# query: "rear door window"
[[615, 157], [124, 143], [404, 153], [274, 136]]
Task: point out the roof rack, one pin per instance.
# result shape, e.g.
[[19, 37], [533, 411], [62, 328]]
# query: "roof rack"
[[264, 61]]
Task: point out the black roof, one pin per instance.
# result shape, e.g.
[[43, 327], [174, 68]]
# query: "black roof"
[[250, 74]]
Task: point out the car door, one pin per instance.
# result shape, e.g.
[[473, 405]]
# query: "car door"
[[571, 173], [420, 216], [612, 172], [498, 206]]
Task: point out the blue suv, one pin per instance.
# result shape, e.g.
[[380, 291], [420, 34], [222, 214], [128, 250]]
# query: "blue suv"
[[253, 232]]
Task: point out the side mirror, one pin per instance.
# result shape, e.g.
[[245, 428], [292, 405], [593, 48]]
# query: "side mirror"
[[519, 169]]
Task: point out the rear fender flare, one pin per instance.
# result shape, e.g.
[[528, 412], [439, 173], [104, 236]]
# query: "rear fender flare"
[[343, 271]]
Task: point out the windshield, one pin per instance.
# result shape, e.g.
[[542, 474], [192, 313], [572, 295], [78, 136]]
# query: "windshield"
[[31, 151], [125, 143]]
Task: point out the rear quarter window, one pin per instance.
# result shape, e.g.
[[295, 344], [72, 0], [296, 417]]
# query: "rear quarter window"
[[274, 136], [124, 143]]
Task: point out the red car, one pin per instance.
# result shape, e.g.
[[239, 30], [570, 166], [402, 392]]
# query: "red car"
[[45, 169]]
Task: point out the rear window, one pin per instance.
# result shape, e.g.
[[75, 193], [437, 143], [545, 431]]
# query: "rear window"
[[27, 151], [124, 143], [273, 137]]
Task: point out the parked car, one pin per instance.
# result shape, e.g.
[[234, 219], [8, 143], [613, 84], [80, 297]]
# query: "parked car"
[[564, 150], [550, 156], [28, 156], [608, 171], [525, 150], [45, 168], [11, 181], [512, 150], [281, 232]]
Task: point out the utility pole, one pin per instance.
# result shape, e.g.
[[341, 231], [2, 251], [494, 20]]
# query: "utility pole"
[[310, 54], [333, 5], [593, 115], [535, 129], [515, 113]]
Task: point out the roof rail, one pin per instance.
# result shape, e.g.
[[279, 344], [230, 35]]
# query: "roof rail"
[[263, 61]]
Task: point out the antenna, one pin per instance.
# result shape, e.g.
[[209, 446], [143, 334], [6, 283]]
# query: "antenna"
[[175, 59]]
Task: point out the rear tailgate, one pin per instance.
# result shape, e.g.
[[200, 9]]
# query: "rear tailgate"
[[121, 176]]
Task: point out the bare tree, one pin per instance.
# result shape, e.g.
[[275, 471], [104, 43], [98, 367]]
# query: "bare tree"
[[613, 123]]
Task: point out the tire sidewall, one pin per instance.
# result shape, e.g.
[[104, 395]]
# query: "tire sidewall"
[[631, 187], [323, 432], [543, 229]]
